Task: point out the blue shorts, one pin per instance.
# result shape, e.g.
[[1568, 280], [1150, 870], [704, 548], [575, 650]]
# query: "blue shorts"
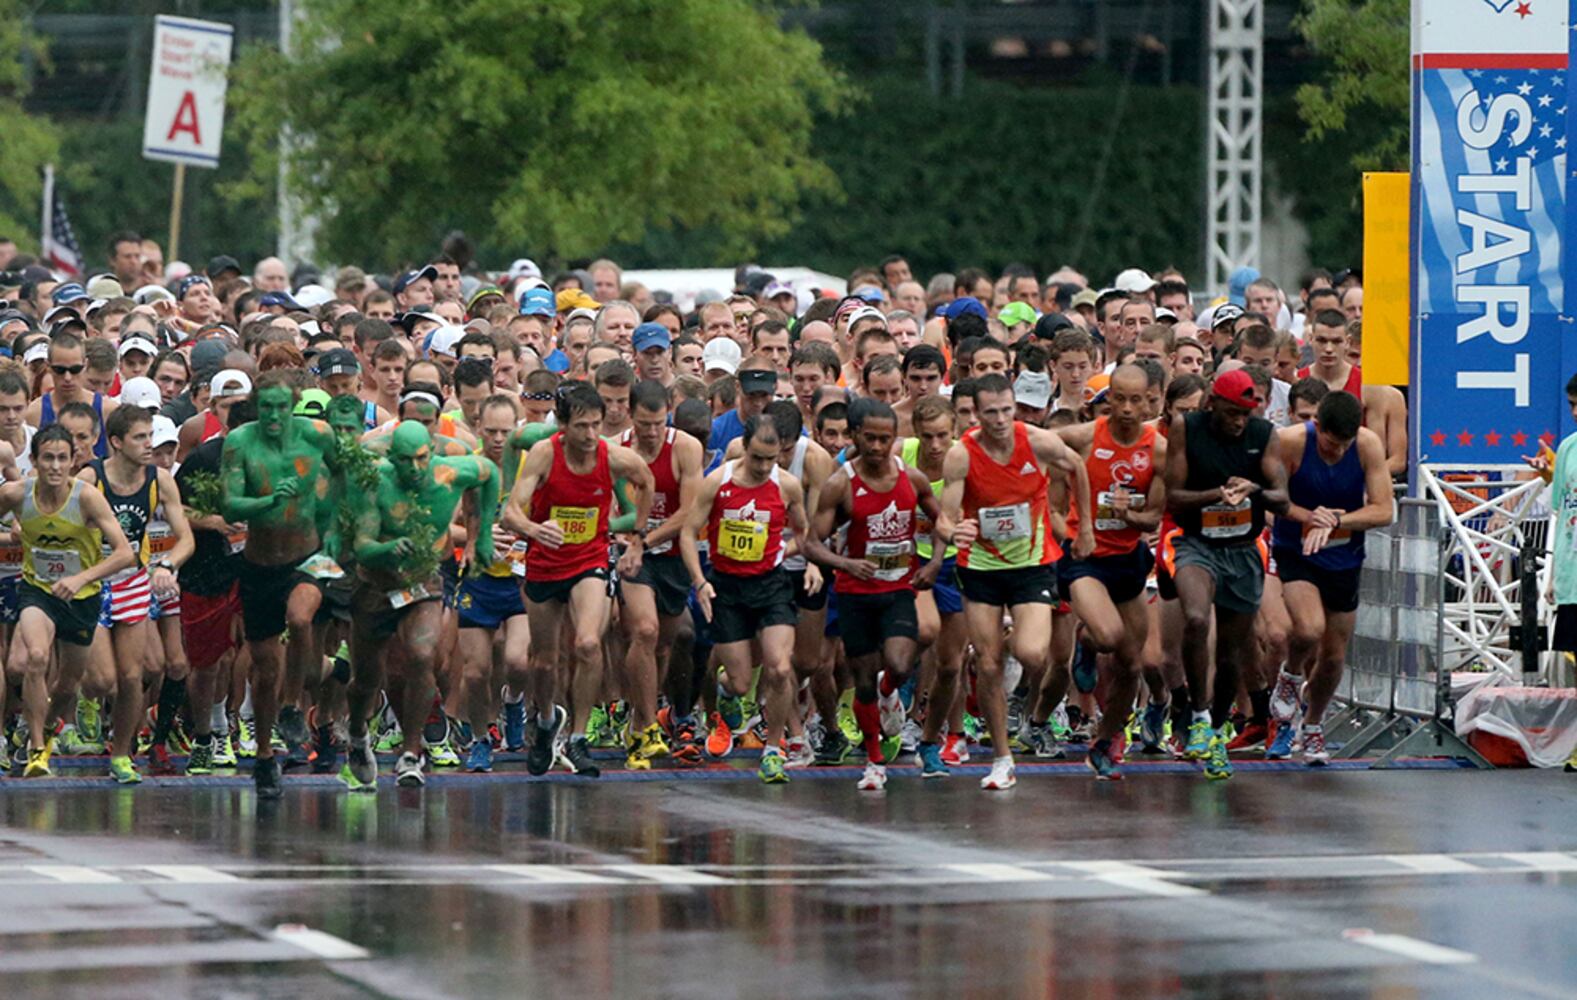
[[449, 573], [489, 601], [949, 599], [10, 606], [830, 631]]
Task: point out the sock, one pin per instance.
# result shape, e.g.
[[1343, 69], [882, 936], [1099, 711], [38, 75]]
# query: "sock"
[[869, 716], [245, 711], [1259, 704], [172, 694], [513, 698], [886, 685]]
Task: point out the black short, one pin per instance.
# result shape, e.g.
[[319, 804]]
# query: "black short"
[[867, 621], [743, 606], [1123, 576], [337, 596], [265, 590], [375, 613], [669, 581], [1165, 586], [543, 591], [75, 621], [1004, 588], [1564, 638], [802, 600], [1338, 587]]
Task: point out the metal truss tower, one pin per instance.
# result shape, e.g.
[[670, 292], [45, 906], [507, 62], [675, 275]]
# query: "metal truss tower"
[[1233, 137]]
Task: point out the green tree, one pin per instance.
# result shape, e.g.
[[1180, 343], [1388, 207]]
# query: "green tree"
[[556, 128], [26, 142]]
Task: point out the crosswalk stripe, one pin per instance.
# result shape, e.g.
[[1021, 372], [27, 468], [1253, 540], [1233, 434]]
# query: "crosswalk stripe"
[[554, 875], [73, 873]]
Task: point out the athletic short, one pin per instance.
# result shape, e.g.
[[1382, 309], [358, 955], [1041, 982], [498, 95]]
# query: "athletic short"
[[487, 602], [1564, 637], [161, 608], [449, 573], [208, 625], [1123, 576], [337, 597], [10, 609], [543, 591], [1239, 571], [75, 621], [744, 606], [1338, 587], [949, 599], [802, 600], [829, 625], [127, 602], [265, 590], [1004, 588], [670, 583], [867, 621], [1165, 586], [376, 614]]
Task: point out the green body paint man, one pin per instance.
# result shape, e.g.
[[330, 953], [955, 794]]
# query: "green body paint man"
[[401, 537]]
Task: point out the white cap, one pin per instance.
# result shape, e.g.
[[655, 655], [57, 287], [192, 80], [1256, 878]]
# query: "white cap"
[[721, 354], [141, 391], [230, 382], [1163, 313], [175, 270], [164, 429], [866, 312], [313, 296], [443, 340], [581, 313], [1134, 280], [1033, 389], [149, 294], [137, 343], [38, 352], [524, 267], [310, 328]]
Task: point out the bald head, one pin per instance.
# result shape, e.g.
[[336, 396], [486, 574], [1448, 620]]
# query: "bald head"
[[817, 330], [408, 440], [270, 275], [1130, 377]]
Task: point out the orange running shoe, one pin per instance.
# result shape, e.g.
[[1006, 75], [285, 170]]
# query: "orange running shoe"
[[721, 739]]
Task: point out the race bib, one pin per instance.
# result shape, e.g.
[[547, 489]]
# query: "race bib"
[[1004, 524], [1106, 516], [742, 541], [578, 523], [50, 565], [516, 557], [160, 538], [661, 548], [321, 567], [10, 560], [237, 540], [892, 559], [1224, 520], [410, 595]]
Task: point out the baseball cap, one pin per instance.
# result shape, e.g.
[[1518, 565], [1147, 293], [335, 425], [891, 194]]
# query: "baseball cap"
[[651, 335], [69, 292], [105, 287], [478, 325], [537, 302], [209, 353], [38, 352], [1051, 324], [282, 299], [350, 276], [338, 361], [1097, 384], [1225, 313], [960, 306], [149, 294], [141, 391], [482, 292], [1236, 387], [313, 403], [9, 316], [188, 283], [57, 312], [866, 312], [1085, 297], [164, 429], [1033, 389], [136, 343], [721, 354], [443, 339], [66, 322], [590, 315], [575, 298], [1134, 281], [1238, 282], [407, 320], [405, 280], [871, 294], [524, 267], [222, 263], [777, 288], [230, 383], [1015, 313], [314, 295], [1165, 315], [757, 379]]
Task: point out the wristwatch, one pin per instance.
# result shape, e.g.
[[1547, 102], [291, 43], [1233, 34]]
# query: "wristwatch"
[[164, 564]]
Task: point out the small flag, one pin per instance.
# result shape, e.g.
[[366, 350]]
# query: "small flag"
[[57, 242]]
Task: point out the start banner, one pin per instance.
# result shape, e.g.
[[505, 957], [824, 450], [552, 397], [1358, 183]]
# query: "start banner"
[[1490, 115]]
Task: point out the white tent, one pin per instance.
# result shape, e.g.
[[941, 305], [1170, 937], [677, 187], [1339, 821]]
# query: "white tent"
[[686, 283]]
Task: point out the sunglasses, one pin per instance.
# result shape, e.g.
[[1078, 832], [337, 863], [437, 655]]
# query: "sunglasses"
[[67, 369]]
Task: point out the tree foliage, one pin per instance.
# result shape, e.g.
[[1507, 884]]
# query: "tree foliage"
[[1368, 84], [555, 128], [26, 142]]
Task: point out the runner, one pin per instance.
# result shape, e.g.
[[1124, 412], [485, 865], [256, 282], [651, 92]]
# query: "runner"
[[1384, 409], [743, 509], [561, 503], [68, 365], [1223, 472], [1339, 487], [994, 508], [877, 496]]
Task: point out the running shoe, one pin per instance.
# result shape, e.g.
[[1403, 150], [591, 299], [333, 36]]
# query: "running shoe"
[[754, 735], [835, 749], [1314, 752], [224, 753], [686, 751], [1002, 776], [360, 772], [731, 708], [909, 736], [1218, 766], [815, 732], [848, 724], [974, 730], [619, 721], [1253, 737], [539, 758], [179, 741], [201, 759], [325, 751], [1015, 712], [124, 771], [892, 710], [408, 771], [652, 743], [480, 759], [720, 741], [771, 771], [1199, 735], [390, 737], [1152, 728], [580, 760], [245, 738], [90, 720], [38, 761], [515, 725], [1101, 761], [931, 765], [292, 726], [955, 750], [1280, 747], [874, 779], [599, 728], [797, 753], [291, 754], [442, 753], [1284, 697], [265, 778], [1043, 744], [1086, 669], [159, 762], [665, 717], [71, 743], [892, 746]]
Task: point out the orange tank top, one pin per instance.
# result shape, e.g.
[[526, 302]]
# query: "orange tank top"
[[1111, 467]]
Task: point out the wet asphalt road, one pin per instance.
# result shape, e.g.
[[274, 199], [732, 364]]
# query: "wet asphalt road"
[[1285, 883]]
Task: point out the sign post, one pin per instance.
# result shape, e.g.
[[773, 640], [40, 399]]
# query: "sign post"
[[186, 101], [1488, 226]]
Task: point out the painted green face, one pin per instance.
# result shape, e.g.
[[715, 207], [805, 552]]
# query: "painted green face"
[[274, 406], [345, 415], [410, 452]]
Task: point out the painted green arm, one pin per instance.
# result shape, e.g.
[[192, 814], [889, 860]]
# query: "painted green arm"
[[518, 444]]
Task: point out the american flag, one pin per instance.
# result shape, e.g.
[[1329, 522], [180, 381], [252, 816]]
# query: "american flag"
[[58, 242]]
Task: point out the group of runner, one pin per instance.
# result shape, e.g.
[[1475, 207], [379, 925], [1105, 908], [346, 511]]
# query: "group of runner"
[[996, 516]]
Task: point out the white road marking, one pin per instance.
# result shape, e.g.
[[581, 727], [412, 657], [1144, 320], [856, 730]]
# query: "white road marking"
[[1139, 878], [73, 873], [1411, 948], [1544, 861], [1000, 873], [668, 874], [318, 943], [194, 874], [1432, 864], [555, 875]]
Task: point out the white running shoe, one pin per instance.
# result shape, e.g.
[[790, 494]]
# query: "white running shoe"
[[875, 778], [892, 710], [797, 753], [1002, 776], [1284, 699], [408, 771]]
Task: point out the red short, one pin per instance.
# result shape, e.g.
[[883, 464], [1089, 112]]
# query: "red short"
[[208, 625]]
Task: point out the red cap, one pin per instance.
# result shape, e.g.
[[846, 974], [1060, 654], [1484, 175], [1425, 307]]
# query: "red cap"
[[1236, 387]]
